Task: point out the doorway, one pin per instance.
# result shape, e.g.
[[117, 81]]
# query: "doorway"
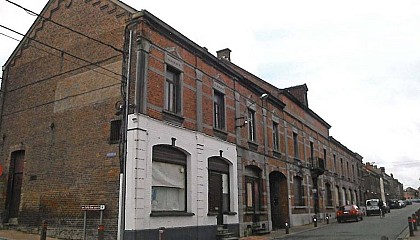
[[15, 184], [279, 200]]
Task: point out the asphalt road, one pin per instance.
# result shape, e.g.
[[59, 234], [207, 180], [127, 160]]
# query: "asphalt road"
[[370, 228]]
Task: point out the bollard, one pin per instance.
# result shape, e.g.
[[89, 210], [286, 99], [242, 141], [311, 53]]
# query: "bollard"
[[286, 223], [410, 227], [413, 220], [328, 219], [44, 230], [101, 229], [161, 233], [315, 221]]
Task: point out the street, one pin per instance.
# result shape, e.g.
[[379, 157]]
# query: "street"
[[371, 227]]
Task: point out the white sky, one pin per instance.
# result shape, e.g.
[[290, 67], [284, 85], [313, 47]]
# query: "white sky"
[[360, 60]]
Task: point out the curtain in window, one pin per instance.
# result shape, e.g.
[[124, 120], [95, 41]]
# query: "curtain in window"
[[168, 187]]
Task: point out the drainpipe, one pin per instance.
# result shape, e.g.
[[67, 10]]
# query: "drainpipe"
[[122, 190]]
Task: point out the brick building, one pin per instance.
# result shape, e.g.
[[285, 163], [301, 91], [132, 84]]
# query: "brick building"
[[59, 92], [207, 143]]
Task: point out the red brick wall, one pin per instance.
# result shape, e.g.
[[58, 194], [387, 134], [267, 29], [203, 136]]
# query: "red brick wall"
[[54, 111]]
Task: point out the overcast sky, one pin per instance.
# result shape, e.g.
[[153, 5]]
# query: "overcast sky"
[[360, 60]]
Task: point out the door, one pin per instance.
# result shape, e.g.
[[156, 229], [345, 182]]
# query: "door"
[[216, 195], [275, 201], [15, 183], [279, 200]]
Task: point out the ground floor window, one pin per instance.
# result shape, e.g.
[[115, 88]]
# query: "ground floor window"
[[253, 188], [168, 179]]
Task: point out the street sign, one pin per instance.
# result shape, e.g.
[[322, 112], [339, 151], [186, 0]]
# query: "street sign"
[[92, 207]]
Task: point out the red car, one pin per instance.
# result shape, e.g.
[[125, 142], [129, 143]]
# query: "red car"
[[349, 212]]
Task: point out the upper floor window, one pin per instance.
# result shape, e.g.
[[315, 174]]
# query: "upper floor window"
[[311, 145], [295, 145], [219, 110], [169, 169], [251, 125], [335, 162], [276, 142], [172, 91]]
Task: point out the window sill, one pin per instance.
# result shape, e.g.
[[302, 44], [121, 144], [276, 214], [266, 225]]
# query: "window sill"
[[255, 213], [225, 213], [172, 117], [220, 133], [253, 145], [300, 207], [171, 214], [276, 154]]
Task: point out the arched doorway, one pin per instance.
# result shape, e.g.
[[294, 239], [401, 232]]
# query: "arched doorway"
[[279, 200]]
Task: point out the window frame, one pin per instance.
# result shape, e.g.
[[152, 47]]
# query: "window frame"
[[219, 110], [168, 154], [252, 135], [115, 131], [276, 138], [172, 102], [220, 166], [295, 145], [299, 191], [253, 179]]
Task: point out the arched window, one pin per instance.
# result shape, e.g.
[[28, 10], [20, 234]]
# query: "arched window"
[[298, 191], [328, 194], [169, 169], [219, 190], [253, 188]]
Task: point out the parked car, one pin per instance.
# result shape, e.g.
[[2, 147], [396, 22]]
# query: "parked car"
[[349, 212], [372, 206], [393, 204], [408, 202], [402, 203]]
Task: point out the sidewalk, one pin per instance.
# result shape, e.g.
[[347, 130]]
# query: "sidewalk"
[[16, 235], [278, 234]]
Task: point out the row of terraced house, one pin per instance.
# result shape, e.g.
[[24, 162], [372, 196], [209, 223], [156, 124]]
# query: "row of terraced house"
[[118, 109]]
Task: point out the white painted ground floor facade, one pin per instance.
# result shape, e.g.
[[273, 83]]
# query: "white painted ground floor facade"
[[178, 180]]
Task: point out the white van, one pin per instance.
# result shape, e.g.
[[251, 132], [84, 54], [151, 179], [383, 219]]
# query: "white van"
[[372, 206]]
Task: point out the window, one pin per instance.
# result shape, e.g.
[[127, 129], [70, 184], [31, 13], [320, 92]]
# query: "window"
[[168, 179], [115, 133], [219, 191], [311, 145], [219, 110], [328, 194], [295, 145], [251, 125], [172, 91], [335, 163], [252, 189], [298, 191], [276, 144], [348, 170]]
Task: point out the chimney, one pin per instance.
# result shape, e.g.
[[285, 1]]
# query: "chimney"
[[382, 169], [224, 54]]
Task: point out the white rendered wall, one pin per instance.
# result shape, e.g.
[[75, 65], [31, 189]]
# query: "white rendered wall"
[[143, 134]]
